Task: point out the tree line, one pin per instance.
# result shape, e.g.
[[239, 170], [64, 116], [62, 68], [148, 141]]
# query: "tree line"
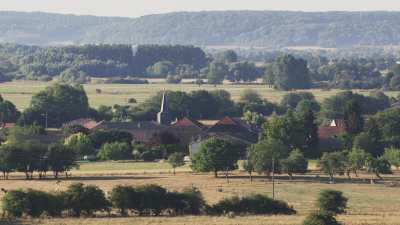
[[146, 200]]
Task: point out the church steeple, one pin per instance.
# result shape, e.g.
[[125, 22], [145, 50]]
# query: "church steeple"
[[163, 116]]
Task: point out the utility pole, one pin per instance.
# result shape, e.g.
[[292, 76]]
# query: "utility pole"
[[46, 121], [273, 177]]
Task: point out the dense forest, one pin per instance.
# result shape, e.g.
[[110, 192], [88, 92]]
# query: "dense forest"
[[241, 28]]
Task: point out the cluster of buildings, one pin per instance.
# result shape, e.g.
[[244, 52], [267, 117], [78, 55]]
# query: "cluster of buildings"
[[190, 133]]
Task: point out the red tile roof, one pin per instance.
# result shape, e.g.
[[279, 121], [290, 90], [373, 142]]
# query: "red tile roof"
[[188, 122], [336, 127]]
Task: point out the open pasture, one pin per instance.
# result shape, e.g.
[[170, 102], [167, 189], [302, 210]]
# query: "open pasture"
[[368, 203], [21, 92]]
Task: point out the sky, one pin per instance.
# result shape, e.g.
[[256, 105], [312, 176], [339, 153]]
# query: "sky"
[[136, 8]]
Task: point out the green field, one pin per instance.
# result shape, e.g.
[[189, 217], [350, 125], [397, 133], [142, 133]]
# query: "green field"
[[21, 92]]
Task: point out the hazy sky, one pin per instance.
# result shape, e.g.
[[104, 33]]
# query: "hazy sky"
[[134, 8]]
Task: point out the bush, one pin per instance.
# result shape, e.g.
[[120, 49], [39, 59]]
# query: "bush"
[[14, 203], [32, 203], [152, 199], [331, 201], [123, 198], [115, 151], [253, 204], [88, 199], [190, 201], [320, 218], [173, 79]]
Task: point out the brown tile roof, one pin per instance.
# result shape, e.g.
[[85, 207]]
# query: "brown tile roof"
[[188, 122], [7, 125], [336, 127]]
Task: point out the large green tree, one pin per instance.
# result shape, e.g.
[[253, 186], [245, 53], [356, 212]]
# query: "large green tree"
[[261, 155], [57, 104], [289, 73], [353, 119], [216, 155]]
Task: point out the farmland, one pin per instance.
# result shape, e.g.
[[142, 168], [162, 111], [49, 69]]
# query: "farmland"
[[368, 203], [20, 93]]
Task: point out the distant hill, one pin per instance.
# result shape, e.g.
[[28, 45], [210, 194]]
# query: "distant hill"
[[244, 28]]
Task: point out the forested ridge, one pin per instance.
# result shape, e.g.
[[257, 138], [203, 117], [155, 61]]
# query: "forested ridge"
[[244, 28]]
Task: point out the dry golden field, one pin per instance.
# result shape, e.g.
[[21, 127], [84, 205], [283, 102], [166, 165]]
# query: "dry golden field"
[[21, 92], [368, 203]]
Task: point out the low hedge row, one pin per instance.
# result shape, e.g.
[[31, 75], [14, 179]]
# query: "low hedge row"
[[253, 204], [150, 200]]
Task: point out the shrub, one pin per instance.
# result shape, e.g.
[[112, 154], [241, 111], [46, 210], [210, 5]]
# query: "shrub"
[[190, 201], [70, 129], [14, 203], [253, 204], [31, 202], [176, 160], [295, 163], [123, 198], [332, 201], [173, 79], [152, 199], [320, 218], [115, 151], [88, 199]]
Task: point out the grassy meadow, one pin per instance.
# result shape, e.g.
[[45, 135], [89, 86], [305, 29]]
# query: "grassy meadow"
[[368, 203], [20, 92]]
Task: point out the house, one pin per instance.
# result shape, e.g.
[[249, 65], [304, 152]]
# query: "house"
[[329, 135], [231, 129], [141, 131], [190, 132], [185, 129]]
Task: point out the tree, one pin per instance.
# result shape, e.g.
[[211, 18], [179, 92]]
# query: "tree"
[[60, 159], [176, 160], [320, 218], [8, 111], [378, 166], [80, 143], [250, 96], [295, 130], [290, 73], [388, 122], [8, 159], [71, 129], [332, 201], [356, 160], [88, 199], [310, 132], [332, 163], [123, 198], [99, 137], [261, 155], [217, 73], [292, 99], [216, 155], [249, 168], [115, 151], [392, 155], [228, 56], [295, 163], [370, 139], [243, 71], [60, 103], [353, 120], [253, 118]]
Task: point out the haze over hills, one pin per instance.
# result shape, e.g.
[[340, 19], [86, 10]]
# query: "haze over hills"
[[239, 28]]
